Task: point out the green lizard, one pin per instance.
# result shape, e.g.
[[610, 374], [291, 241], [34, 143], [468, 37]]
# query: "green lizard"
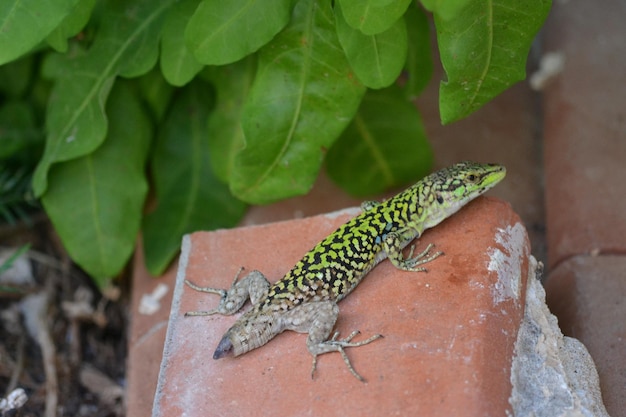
[[305, 300]]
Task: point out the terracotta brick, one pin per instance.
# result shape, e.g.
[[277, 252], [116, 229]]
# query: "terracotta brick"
[[449, 333], [587, 295], [585, 131]]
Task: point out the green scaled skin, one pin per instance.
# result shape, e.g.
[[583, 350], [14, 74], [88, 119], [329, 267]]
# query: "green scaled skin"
[[305, 300]]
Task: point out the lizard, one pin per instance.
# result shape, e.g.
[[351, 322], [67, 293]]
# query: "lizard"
[[305, 299]]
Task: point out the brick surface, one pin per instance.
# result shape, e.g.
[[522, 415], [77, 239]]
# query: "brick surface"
[[585, 130], [585, 150], [147, 337], [586, 293], [449, 333]]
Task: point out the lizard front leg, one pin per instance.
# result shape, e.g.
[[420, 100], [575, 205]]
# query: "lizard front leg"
[[318, 319], [394, 242], [253, 286], [369, 204]]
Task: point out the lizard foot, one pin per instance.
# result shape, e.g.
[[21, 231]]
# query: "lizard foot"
[[338, 345], [253, 286], [220, 292], [421, 258]]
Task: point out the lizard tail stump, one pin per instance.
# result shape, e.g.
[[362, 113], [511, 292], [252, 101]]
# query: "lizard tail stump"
[[225, 348]]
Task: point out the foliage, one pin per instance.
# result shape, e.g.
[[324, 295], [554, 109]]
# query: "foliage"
[[225, 102]]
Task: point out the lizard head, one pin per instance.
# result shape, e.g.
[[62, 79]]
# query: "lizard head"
[[447, 190]]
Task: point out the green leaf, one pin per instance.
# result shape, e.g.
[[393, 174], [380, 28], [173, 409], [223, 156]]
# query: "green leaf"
[[373, 16], [25, 23], [139, 55], [17, 127], [419, 62], [302, 98], [384, 146], [127, 44], [95, 202], [178, 64], [483, 51], [232, 83], [221, 32], [445, 9], [376, 59], [71, 25], [189, 196], [16, 76], [156, 92]]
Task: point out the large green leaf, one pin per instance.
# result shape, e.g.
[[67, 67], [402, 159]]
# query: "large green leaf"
[[445, 9], [373, 16], [221, 32], [25, 23], [419, 62], [178, 64], [71, 25], [384, 146], [376, 59], [232, 83], [127, 44], [483, 51], [95, 202], [189, 196], [302, 98]]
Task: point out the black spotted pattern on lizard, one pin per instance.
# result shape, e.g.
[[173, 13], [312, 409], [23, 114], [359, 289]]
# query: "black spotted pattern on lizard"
[[305, 299]]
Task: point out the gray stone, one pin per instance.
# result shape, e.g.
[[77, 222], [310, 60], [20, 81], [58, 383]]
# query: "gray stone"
[[552, 375]]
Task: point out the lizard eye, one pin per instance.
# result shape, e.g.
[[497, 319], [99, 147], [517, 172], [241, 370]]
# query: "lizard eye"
[[439, 199], [471, 177]]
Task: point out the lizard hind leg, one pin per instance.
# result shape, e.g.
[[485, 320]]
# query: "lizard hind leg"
[[318, 319], [339, 346], [253, 286]]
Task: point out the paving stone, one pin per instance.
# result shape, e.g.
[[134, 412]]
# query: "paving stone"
[[588, 295], [585, 150], [449, 333], [585, 130], [147, 337]]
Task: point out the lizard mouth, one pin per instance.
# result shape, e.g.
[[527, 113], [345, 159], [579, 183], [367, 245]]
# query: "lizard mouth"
[[225, 348]]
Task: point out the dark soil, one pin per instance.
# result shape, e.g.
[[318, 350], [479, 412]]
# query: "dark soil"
[[72, 360]]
